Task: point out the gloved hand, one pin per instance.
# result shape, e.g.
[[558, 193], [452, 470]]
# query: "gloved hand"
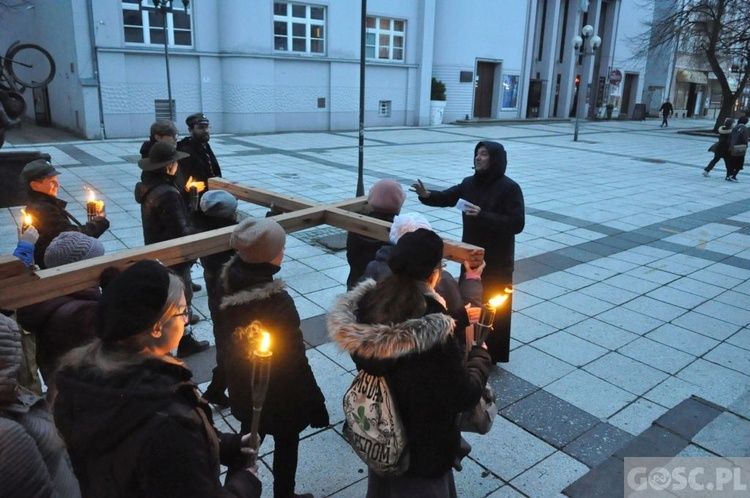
[[319, 416], [31, 235]]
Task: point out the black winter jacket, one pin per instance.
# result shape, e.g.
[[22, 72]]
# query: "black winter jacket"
[[50, 218], [201, 164], [423, 364], [140, 430], [60, 324], [294, 400], [163, 212], [360, 250], [502, 213]]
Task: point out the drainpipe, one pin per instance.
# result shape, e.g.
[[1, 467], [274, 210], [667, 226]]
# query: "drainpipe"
[[95, 66]]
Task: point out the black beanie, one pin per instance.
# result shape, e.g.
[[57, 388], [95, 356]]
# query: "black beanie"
[[133, 301], [417, 254]]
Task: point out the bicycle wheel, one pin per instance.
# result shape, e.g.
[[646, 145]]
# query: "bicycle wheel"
[[30, 65]]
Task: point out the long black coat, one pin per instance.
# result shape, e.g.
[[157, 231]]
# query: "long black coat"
[[502, 214], [50, 218], [423, 364], [294, 400], [140, 430], [163, 212], [360, 250]]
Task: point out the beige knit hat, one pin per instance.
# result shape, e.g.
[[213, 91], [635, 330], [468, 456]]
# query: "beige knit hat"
[[10, 358], [258, 240]]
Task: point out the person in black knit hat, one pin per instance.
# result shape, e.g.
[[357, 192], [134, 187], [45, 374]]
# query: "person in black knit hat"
[[127, 410]]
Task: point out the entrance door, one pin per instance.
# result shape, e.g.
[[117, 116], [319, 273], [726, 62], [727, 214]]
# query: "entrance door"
[[535, 99], [484, 89], [690, 106], [626, 91]]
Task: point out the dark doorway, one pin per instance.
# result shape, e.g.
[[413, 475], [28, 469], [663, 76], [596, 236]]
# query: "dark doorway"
[[691, 97], [535, 99], [626, 91], [484, 89]]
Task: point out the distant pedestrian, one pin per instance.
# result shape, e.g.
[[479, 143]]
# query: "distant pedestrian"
[[737, 140], [399, 329], [48, 213], [249, 293], [493, 213], [721, 148], [384, 201], [666, 110]]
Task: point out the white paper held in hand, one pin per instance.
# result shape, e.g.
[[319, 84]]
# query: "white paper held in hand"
[[463, 204]]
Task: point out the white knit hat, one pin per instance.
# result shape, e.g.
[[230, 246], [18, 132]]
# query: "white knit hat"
[[405, 223]]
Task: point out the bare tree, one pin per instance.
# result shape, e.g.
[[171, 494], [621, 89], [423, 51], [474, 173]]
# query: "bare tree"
[[714, 32]]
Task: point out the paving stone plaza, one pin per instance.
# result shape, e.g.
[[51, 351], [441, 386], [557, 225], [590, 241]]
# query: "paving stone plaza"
[[632, 289]]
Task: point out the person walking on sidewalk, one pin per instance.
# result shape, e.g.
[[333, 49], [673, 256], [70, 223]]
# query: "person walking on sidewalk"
[[493, 214], [48, 212], [737, 140], [721, 148], [399, 328], [165, 217], [666, 110]]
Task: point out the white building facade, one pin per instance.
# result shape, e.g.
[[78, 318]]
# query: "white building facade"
[[270, 66]]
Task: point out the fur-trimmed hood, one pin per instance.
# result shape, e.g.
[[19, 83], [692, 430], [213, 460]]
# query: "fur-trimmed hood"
[[383, 341], [258, 293]]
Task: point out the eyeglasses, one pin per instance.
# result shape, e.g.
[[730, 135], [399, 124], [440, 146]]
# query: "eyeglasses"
[[184, 314]]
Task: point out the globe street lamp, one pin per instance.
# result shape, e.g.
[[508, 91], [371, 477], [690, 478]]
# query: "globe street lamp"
[[579, 44], [165, 7]]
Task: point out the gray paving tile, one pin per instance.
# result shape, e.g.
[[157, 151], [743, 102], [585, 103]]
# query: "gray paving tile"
[[541, 289], [590, 393], [527, 329], [732, 314], [731, 357], [689, 417], [310, 282], [657, 355], [654, 308], [597, 444], [507, 450], [601, 333], [637, 417], [706, 325], [549, 418], [569, 348], [631, 283], [567, 280], [582, 303], [508, 388], [626, 373], [604, 480], [727, 434], [653, 442], [717, 384], [741, 406], [682, 339], [554, 315], [526, 363], [629, 320], [550, 476], [506, 492]]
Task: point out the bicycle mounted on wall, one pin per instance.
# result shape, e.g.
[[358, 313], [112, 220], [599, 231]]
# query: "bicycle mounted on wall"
[[25, 65]]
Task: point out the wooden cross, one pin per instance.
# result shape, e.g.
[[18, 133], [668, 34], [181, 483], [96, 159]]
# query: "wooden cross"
[[20, 286]]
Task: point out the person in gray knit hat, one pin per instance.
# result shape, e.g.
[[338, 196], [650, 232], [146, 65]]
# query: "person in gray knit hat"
[[69, 247], [33, 460], [250, 294]]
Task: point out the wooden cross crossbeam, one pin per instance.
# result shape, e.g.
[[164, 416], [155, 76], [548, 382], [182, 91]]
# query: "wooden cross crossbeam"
[[20, 286]]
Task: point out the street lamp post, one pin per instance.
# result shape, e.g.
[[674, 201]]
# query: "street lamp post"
[[579, 43], [165, 7]]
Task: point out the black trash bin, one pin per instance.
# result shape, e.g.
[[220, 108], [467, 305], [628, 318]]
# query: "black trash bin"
[[12, 190]]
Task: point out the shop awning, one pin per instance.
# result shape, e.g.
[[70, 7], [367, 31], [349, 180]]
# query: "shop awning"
[[691, 76]]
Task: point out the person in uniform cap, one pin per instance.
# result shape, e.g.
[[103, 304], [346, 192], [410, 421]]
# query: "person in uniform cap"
[[202, 163], [165, 217], [250, 295], [48, 213]]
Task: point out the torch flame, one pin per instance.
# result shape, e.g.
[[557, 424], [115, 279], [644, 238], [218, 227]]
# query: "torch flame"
[[265, 342], [92, 195], [199, 186], [496, 301]]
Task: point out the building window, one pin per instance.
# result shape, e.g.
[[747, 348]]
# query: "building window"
[[384, 108], [299, 28], [146, 26], [385, 39], [510, 91]]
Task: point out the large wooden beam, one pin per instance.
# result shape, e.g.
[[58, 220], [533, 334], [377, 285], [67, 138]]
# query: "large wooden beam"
[[259, 196]]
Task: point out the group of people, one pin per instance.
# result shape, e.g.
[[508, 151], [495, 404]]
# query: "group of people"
[[128, 414], [730, 137]]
